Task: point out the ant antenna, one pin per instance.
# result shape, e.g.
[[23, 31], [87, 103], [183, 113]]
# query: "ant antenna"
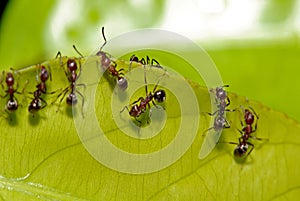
[[77, 51], [59, 55], [103, 38]]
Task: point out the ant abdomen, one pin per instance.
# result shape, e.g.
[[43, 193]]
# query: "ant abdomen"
[[160, 96]]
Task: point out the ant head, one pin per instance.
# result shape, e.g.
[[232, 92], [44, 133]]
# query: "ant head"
[[160, 96], [240, 150], [72, 65], [10, 79], [105, 60], [221, 93], [249, 117], [122, 83], [44, 75]]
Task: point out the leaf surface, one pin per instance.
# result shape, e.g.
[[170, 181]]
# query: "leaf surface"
[[42, 157]]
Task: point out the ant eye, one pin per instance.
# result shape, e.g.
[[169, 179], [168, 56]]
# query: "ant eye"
[[122, 83], [160, 96]]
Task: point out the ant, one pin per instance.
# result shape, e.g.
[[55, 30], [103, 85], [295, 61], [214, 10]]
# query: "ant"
[[72, 75], [222, 101], [12, 103], [221, 98], [38, 102], [139, 106], [110, 66], [243, 144], [144, 62]]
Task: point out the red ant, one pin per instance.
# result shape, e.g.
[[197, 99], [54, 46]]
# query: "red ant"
[[139, 106], [38, 102], [72, 76], [243, 145], [12, 103], [110, 66], [144, 62]]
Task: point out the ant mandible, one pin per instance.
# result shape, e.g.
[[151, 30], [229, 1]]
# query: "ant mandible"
[[108, 64], [139, 106]]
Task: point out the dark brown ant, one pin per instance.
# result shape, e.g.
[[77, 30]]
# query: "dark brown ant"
[[38, 102], [72, 75], [109, 65], [144, 62], [139, 106], [222, 101], [12, 103], [246, 133]]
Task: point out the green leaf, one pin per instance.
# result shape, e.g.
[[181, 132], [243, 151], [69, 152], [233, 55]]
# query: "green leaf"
[[42, 157]]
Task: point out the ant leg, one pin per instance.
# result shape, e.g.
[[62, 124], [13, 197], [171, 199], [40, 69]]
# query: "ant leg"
[[140, 98], [235, 143], [82, 104], [2, 78], [145, 80], [148, 60], [228, 101], [138, 121], [124, 109], [158, 81], [63, 92], [241, 132], [45, 103], [156, 65], [205, 131], [258, 138], [50, 72], [214, 113], [143, 62], [133, 58], [251, 149]]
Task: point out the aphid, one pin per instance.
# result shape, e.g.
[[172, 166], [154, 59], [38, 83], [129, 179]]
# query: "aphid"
[[38, 102], [142, 61], [110, 65], [139, 106], [12, 103], [72, 75], [246, 133]]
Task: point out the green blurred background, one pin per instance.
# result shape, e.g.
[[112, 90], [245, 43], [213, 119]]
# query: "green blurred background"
[[255, 44]]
